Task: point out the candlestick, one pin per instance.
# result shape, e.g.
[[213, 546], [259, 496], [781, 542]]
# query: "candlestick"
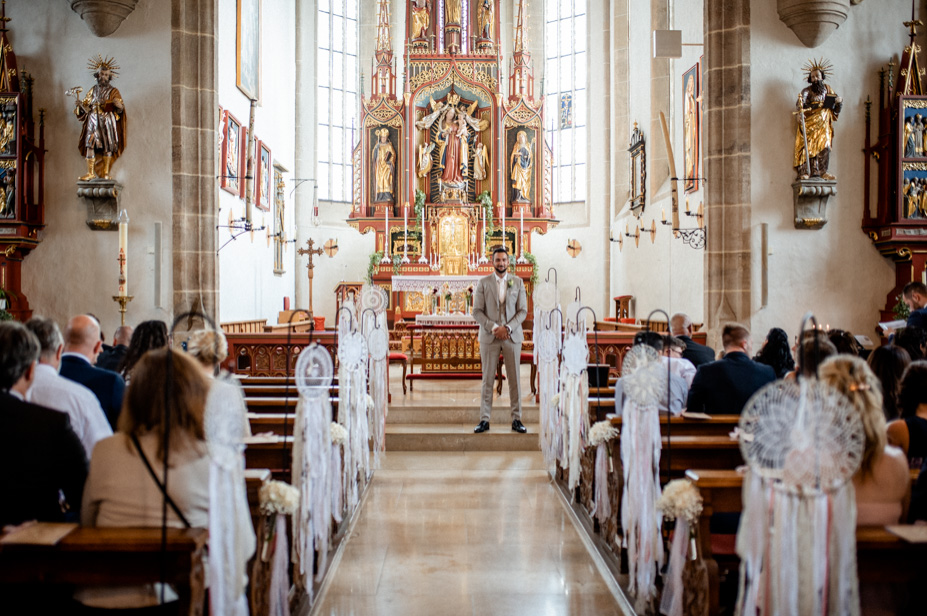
[[405, 233], [123, 220], [483, 258], [386, 238], [502, 209], [687, 205], [664, 214], [521, 236], [122, 300]]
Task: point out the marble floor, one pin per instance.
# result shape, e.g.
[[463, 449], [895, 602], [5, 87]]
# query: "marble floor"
[[464, 533]]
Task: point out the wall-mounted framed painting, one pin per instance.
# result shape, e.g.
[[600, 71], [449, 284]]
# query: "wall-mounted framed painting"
[[691, 119], [263, 177], [248, 48], [230, 170]]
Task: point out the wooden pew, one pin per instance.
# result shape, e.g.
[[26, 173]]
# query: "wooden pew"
[[267, 452], [715, 425], [277, 391], [705, 452], [114, 556], [881, 556], [278, 405]]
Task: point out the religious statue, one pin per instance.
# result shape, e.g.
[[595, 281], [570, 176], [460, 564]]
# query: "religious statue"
[[480, 162], [8, 132], [485, 19], [421, 18], [690, 122], [103, 115], [424, 159], [452, 138], [909, 137], [473, 235], [452, 12], [8, 192], [384, 157], [818, 108], [918, 135], [521, 163], [455, 122]]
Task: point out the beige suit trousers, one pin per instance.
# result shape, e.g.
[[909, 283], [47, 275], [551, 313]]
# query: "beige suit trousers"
[[489, 357]]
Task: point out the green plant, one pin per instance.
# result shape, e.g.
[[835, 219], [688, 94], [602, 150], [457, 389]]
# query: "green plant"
[[419, 206], [530, 258], [397, 263], [373, 265], [900, 309], [4, 315], [486, 202]]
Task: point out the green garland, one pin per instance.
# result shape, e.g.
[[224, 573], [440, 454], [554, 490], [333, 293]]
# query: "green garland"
[[419, 205], [373, 265], [4, 315], [397, 263], [530, 258], [901, 309], [486, 201]]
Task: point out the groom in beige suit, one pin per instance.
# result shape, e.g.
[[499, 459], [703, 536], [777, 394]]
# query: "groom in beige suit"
[[500, 304]]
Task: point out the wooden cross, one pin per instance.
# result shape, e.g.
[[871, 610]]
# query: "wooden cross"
[[310, 266]]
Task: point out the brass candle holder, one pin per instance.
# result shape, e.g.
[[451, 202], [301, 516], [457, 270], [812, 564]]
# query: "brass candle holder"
[[122, 300]]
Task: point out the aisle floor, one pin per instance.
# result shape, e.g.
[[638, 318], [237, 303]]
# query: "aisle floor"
[[475, 533]]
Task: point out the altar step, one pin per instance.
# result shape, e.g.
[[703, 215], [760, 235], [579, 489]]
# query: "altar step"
[[460, 437], [444, 414]]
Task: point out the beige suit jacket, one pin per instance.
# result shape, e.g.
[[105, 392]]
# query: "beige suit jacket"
[[486, 307]]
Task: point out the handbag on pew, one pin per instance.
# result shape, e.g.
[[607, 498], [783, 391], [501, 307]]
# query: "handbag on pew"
[[161, 486]]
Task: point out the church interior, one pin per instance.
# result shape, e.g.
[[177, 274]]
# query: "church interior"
[[330, 185]]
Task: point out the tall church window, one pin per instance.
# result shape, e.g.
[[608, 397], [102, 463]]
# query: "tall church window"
[[565, 112], [337, 101]]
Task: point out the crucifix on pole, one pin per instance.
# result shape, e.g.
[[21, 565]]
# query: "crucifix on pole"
[[330, 248]]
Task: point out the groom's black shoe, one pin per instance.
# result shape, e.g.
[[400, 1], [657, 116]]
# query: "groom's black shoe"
[[517, 426], [483, 427]]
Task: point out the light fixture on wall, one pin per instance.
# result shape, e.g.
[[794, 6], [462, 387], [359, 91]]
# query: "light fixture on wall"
[[694, 236], [573, 248], [238, 227]]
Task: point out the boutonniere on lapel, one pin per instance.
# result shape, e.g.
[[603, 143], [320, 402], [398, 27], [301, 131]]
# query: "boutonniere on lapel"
[[511, 282]]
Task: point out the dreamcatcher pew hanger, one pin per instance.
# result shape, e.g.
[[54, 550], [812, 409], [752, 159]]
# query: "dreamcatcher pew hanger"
[[554, 270], [669, 414]]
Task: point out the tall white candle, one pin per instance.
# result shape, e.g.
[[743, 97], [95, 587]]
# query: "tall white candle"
[[422, 258], [502, 208], [123, 221], [521, 235]]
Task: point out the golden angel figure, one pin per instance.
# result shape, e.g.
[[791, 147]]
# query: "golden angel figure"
[[820, 106]]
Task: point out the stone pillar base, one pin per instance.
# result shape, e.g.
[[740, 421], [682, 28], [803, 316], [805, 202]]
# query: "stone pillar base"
[[811, 198], [102, 200]]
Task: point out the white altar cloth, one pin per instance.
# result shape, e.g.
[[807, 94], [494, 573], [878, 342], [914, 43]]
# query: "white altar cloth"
[[455, 284], [444, 319]]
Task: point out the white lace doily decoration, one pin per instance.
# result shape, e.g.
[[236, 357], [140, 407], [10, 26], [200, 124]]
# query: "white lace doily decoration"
[[548, 344], [374, 297], [314, 371], [378, 343], [352, 350], [807, 434], [643, 376], [575, 353], [545, 296], [571, 313]]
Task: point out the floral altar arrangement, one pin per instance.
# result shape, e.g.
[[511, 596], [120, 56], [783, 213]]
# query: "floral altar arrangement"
[[685, 589]]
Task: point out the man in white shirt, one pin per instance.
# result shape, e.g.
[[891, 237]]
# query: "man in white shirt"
[[51, 390]]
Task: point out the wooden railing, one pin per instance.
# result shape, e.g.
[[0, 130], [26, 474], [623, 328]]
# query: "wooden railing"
[[255, 326]]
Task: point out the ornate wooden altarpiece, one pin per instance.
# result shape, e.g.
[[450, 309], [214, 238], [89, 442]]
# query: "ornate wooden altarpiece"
[[452, 59], [22, 175], [899, 227]]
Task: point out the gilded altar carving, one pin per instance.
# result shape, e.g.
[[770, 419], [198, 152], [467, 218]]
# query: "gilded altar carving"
[[454, 230]]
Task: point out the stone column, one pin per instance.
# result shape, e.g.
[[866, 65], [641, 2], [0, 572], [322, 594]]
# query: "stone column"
[[617, 124], [306, 163], [194, 121], [657, 159], [727, 165]]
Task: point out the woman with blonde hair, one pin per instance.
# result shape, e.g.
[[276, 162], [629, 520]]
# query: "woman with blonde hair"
[[882, 482]]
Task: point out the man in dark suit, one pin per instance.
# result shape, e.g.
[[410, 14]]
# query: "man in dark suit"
[[914, 295], [111, 357], [43, 461], [724, 386], [500, 304], [698, 354], [81, 347]]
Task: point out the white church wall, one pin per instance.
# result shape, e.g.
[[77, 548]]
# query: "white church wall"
[[248, 287], [835, 271], [74, 269]]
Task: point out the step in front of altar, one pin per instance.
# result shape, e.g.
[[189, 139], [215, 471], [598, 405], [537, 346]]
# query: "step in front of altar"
[[460, 437], [445, 414]]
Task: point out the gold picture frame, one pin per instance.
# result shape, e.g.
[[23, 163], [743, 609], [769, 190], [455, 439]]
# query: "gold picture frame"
[[248, 48], [638, 170]]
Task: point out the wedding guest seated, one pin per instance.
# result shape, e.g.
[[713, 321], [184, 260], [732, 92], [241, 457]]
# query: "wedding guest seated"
[[147, 336], [43, 461], [811, 354], [882, 482], [673, 350], [910, 432], [226, 398], [111, 357], [913, 340], [126, 470], [918, 511], [677, 385], [724, 386], [776, 353], [888, 363], [81, 347], [698, 354], [844, 342], [53, 391], [914, 295]]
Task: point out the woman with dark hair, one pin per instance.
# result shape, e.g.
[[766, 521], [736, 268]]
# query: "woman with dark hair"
[[844, 341], [147, 336], [776, 353], [910, 432], [888, 363]]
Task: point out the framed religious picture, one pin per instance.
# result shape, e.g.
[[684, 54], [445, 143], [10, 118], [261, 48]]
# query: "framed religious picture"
[[229, 178], [638, 197], [263, 177], [248, 48], [691, 116]]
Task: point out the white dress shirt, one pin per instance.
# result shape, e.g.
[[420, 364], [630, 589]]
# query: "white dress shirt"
[[51, 390]]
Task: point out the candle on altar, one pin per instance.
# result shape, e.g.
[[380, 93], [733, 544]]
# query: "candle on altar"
[[687, 205], [502, 209], [521, 236], [664, 214], [422, 258], [123, 221], [405, 224]]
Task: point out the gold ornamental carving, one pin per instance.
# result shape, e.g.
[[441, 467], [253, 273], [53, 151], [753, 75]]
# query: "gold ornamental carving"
[[915, 104], [915, 166]]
